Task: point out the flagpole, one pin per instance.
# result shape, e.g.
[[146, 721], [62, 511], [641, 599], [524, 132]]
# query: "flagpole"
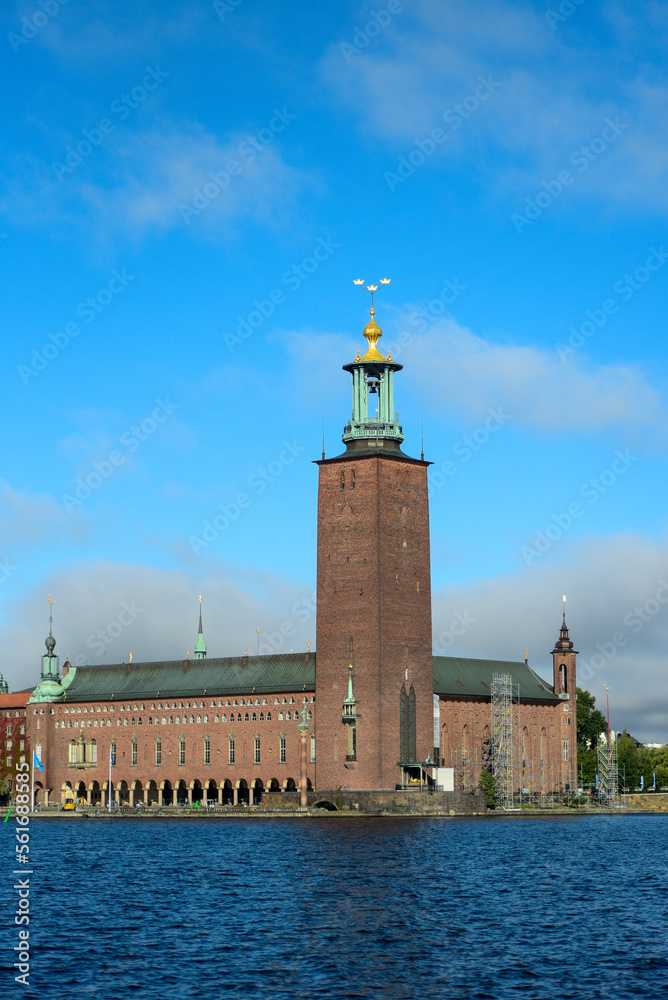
[[109, 789], [32, 783]]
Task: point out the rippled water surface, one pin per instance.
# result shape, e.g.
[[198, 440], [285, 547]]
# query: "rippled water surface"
[[370, 908]]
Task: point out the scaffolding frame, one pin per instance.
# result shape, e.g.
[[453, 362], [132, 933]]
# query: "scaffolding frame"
[[506, 737], [608, 774]]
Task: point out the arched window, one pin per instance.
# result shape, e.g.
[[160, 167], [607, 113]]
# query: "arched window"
[[150, 720], [268, 716], [343, 480]]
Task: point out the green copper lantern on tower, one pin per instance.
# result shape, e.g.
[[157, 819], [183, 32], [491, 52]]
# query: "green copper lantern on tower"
[[373, 416]]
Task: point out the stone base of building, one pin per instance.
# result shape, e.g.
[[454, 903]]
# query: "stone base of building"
[[646, 801], [401, 803], [336, 803]]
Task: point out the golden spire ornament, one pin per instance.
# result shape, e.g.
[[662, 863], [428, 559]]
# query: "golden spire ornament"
[[372, 331]]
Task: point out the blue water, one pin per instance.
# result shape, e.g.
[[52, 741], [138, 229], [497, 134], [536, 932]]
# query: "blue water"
[[365, 908]]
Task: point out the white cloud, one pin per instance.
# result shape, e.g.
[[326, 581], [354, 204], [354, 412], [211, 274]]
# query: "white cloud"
[[162, 615], [547, 100], [614, 617], [461, 374], [150, 181], [30, 519]]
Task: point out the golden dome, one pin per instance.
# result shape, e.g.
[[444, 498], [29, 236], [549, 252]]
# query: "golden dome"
[[373, 333]]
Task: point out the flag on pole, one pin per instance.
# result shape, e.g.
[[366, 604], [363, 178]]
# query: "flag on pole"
[[36, 762]]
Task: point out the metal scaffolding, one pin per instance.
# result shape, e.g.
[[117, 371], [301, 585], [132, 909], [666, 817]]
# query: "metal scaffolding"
[[608, 774], [505, 737]]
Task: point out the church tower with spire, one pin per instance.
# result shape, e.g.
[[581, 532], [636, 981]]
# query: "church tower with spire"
[[373, 593], [564, 658]]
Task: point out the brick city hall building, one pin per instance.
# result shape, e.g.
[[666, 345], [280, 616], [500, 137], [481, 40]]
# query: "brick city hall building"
[[373, 707]]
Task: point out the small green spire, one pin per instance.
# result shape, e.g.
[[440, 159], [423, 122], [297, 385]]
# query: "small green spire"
[[200, 645], [349, 703]]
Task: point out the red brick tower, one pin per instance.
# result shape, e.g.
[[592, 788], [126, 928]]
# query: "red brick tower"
[[375, 721], [564, 673]]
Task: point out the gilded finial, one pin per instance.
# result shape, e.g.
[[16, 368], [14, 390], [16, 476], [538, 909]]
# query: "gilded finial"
[[372, 331], [130, 658]]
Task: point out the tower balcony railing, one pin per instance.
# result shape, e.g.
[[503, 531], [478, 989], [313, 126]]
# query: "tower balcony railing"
[[379, 428]]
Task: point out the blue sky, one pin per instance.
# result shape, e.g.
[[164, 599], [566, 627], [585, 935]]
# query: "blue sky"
[[188, 191]]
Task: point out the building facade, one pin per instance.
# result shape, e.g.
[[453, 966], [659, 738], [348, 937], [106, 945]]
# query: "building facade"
[[379, 710]]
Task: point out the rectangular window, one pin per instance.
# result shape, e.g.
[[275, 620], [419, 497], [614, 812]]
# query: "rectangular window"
[[182, 751], [207, 751], [9, 744], [23, 745], [352, 742], [158, 752], [38, 751], [281, 752], [93, 752], [565, 750], [113, 754], [256, 757], [9, 729], [230, 758], [73, 753], [38, 723], [134, 754], [313, 749]]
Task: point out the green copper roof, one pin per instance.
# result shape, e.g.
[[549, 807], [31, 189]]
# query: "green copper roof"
[[182, 678], [455, 675]]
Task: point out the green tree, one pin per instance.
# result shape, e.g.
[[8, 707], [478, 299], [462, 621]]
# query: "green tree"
[[590, 722], [487, 783], [629, 761]]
